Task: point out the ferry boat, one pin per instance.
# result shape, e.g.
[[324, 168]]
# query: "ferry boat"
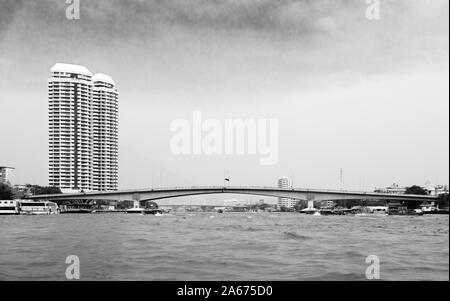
[[38, 208], [9, 207]]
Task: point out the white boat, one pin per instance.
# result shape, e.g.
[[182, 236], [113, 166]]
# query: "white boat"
[[418, 211], [135, 210], [373, 211], [76, 208], [309, 211], [317, 213], [38, 208], [379, 210], [150, 208], [429, 208], [9, 207]]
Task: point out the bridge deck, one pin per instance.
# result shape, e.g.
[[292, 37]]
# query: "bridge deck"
[[293, 193]]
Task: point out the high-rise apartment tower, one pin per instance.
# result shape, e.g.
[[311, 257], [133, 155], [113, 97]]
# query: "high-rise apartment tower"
[[83, 142]]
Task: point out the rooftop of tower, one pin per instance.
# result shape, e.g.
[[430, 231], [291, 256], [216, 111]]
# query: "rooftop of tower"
[[71, 68], [100, 77]]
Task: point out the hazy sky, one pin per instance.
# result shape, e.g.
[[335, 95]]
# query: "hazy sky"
[[370, 97]]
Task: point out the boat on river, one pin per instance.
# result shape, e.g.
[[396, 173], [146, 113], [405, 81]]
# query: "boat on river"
[[38, 208], [76, 208], [9, 207], [149, 208], [156, 212], [433, 209], [373, 211], [400, 209], [152, 208], [309, 210], [135, 210]]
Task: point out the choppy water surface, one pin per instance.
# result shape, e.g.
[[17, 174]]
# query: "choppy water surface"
[[229, 246]]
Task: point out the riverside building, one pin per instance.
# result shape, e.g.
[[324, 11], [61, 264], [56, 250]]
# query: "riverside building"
[[82, 119], [284, 183]]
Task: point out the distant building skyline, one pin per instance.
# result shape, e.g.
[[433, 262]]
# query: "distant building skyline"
[[428, 187], [83, 142]]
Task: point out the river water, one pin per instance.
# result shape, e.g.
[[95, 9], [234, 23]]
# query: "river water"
[[229, 246]]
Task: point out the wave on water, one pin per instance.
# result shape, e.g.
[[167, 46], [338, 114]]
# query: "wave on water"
[[293, 235]]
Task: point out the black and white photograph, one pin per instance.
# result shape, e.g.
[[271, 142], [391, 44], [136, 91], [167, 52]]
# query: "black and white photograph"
[[223, 145]]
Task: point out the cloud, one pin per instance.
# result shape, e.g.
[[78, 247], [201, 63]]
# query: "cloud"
[[8, 10], [309, 36], [290, 19]]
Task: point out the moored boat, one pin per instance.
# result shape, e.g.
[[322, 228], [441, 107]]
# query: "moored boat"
[[309, 210], [336, 211], [9, 207], [433, 209], [38, 208], [372, 211], [400, 209], [135, 210], [76, 209]]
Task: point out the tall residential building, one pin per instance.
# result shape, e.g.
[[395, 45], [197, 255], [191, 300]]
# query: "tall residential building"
[[70, 127], [105, 129], [284, 183], [74, 101], [7, 175]]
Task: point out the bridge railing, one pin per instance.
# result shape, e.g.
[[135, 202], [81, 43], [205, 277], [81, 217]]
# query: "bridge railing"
[[238, 187], [312, 190]]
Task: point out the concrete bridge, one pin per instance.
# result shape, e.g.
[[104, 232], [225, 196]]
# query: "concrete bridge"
[[143, 195]]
